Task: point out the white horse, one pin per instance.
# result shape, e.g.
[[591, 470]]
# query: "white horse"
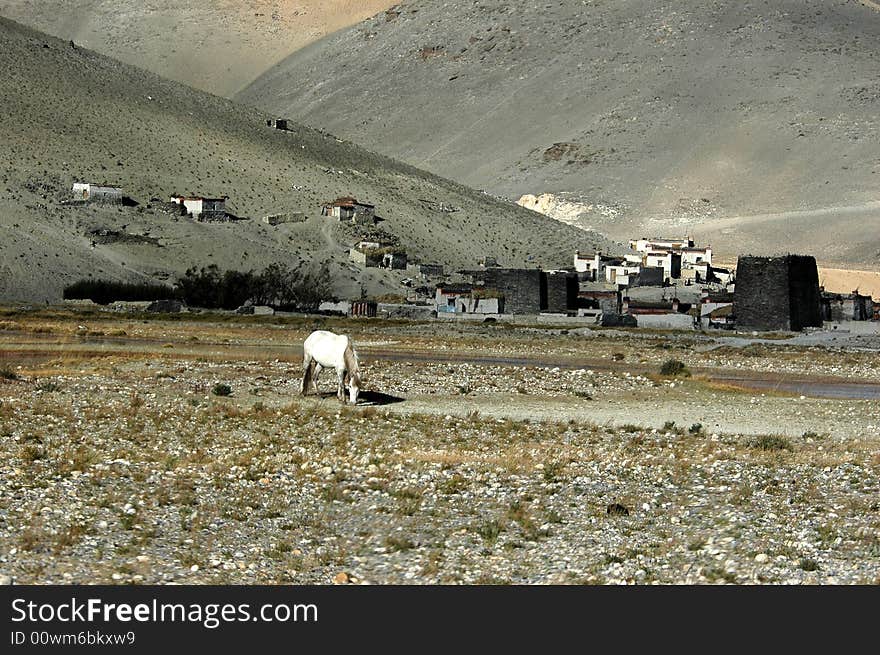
[[323, 349]]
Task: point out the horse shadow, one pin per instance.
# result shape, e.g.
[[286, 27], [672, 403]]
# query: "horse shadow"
[[378, 398], [365, 398]]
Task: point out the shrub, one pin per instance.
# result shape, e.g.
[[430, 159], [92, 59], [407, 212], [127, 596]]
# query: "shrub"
[[673, 368], [103, 292], [221, 389], [277, 285], [771, 442], [696, 428]]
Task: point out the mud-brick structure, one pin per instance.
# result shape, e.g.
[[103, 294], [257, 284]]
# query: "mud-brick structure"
[[777, 293]]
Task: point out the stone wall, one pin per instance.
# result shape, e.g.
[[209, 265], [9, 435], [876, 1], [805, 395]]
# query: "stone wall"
[[524, 290], [562, 291], [804, 294]]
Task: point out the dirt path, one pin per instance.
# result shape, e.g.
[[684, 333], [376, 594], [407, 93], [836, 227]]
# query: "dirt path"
[[871, 208]]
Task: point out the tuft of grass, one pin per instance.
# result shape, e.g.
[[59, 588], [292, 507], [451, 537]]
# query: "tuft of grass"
[[714, 573], [396, 544], [69, 536], [47, 386], [7, 373], [696, 429], [32, 452], [808, 564], [771, 442], [452, 485], [489, 531], [673, 368], [221, 389], [553, 470]]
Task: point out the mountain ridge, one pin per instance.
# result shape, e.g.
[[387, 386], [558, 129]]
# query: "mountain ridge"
[[73, 115], [673, 113]]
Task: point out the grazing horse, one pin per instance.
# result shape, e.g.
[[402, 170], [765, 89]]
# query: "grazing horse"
[[323, 349]]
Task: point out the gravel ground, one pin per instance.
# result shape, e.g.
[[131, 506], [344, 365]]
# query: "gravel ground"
[[128, 468]]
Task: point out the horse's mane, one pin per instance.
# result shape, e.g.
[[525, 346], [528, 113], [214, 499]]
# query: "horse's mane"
[[351, 363]]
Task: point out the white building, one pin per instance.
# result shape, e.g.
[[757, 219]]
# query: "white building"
[[596, 265], [691, 256], [661, 243], [203, 208], [95, 192], [619, 274]]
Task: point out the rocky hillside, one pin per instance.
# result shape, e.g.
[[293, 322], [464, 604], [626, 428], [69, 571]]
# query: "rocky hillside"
[[213, 45], [69, 114], [658, 116]]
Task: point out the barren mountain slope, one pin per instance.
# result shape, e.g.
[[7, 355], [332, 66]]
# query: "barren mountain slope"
[[213, 45], [70, 114], [657, 116]]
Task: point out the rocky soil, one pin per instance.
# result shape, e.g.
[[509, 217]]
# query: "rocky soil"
[[134, 466]]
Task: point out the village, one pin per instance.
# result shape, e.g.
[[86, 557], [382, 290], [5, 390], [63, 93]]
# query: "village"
[[659, 283]]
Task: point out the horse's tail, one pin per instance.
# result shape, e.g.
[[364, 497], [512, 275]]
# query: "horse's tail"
[[351, 363]]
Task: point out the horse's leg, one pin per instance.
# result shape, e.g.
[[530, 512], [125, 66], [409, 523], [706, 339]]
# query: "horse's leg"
[[307, 375], [340, 390], [318, 369]]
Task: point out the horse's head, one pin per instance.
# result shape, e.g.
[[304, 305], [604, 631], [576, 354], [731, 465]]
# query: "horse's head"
[[354, 388]]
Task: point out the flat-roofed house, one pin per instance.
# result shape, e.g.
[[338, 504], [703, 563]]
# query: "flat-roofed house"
[[203, 209], [97, 192]]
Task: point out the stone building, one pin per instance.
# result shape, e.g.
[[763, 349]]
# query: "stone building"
[[524, 289], [847, 307], [777, 293], [277, 123], [97, 192], [349, 209], [530, 290]]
